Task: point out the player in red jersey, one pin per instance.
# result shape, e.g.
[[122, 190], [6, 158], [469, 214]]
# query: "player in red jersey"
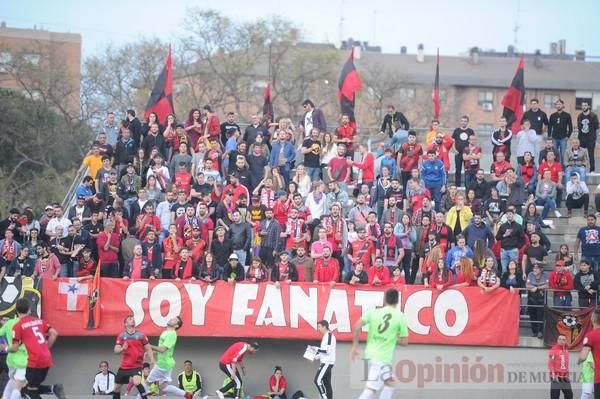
[[591, 342], [132, 344], [38, 337], [231, 362]]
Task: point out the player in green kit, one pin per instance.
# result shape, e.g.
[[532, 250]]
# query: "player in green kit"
[[17, 362], [386, 327], [162, 370]]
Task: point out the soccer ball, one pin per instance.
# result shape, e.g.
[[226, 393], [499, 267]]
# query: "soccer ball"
[[10, 289]]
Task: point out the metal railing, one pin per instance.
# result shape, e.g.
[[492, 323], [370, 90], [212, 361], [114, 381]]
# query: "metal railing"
[[70, 195], [548, 301]]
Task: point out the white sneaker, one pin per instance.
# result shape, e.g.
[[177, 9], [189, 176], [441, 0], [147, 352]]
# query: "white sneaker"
[[220, 394], [557, 214], [197, 395]]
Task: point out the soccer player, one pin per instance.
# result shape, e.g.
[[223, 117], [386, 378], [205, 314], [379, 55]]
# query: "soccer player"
[[231, 362], [326, 356], [161, 372], [38, 337], [132, 344], [16, 361], [386, 326]]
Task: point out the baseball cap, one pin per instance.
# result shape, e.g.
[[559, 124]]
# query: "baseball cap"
[[233, 256], [48, 207]]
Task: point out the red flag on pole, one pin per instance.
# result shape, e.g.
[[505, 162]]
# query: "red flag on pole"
[[436, 88], [268, 104], [161, 98], [91, 314], [348, 84], [514, 100]]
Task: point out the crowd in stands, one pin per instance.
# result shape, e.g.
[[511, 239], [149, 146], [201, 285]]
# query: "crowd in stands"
[[283, 202]]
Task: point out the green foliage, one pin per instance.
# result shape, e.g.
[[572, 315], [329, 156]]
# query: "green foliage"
[[39, 150]]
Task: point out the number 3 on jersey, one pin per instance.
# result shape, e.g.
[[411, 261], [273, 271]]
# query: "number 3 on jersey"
[[385, 324]]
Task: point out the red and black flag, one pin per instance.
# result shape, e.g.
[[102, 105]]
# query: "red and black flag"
[[573, 324], [435, 96], [91, 313], [268, 104], [514, 100], [161, 98], [348, 84]]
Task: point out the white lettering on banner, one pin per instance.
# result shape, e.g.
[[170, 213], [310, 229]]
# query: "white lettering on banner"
[[135, 294], [337, 305], [413, 305], [270, 308], [272, 305], [242, 293], [367, 300], [451, 301], [199, 301], [164, 292], [302, 305]]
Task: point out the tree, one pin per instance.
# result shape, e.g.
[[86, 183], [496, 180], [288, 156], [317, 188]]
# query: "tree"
[[121, 78], [39, 149]]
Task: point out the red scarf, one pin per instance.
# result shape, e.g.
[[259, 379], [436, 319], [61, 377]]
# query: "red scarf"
[[184, 271]]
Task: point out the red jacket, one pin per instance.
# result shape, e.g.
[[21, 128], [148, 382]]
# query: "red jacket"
[[326, 273], [368, 168], [558, 361], [561, 281], [382, 273]]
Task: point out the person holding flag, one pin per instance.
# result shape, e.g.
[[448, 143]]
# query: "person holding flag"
[[386, 326]]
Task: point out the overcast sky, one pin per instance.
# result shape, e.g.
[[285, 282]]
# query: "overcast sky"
[[453, 26]]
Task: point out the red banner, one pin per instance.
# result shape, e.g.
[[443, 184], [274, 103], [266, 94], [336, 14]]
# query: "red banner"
[[464, 316]]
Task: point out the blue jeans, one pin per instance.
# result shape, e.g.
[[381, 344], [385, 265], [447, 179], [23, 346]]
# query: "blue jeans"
[[128, 203], [313, 173], [580, 170], [469, 177], [69, 270], [436, 193], [548, 204], [399, 138], [561, 146], [594, 261], [562, 302], [506, 255]]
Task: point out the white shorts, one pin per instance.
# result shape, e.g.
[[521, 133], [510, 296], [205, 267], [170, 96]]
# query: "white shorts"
[[16, 374], [379, 372], [158, 375], [587, 390]]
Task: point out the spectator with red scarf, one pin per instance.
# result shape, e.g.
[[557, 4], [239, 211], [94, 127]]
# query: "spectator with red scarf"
[[527, 170], [196, 245], [388, 247], [172, 245], [442, 277], [284, 270]]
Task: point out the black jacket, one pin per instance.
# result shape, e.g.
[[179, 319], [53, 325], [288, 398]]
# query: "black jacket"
[[239, 272], [515, 239], [583, 280], [221, 251], [292, 273]]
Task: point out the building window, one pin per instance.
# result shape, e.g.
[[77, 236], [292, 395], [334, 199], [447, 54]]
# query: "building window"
[[550, 99], [31, 58], [579, 100], [485, 128], [485, 100], [407, 93], [5, 59]]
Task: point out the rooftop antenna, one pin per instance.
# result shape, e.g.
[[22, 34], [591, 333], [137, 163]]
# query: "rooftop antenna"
[[517, 26]]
